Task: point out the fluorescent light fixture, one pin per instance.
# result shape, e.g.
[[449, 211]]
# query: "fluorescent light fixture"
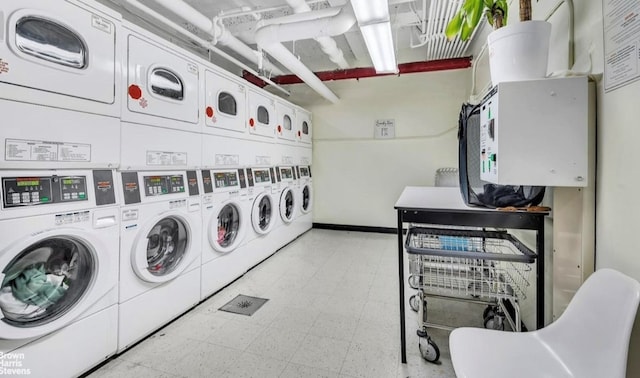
[[373, 20], [379, 42], [370, 11]]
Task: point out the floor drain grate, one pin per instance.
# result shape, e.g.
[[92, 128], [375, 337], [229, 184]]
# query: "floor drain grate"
[[244, 305]]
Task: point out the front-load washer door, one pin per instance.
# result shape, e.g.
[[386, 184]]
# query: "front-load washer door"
[[163, 249], [305, 206], [58, 47], [49, 281], [161, 84], [287, 203], [226, 230], [262, 214]]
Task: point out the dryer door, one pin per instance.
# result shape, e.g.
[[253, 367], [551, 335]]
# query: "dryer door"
[[163, 249], [286, 119], [305, 206], [47, 282], [227, 229], [262, 213], [287, 205], [161, 83], [262, 115], [58, 47], [225, 104]]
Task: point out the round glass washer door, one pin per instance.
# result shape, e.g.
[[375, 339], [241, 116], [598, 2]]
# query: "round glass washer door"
[[287, 203], [46, 280], [305, 206], [225, 230], [262, 214], [162, 250]]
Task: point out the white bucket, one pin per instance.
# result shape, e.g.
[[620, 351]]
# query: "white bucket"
[[519, 51]]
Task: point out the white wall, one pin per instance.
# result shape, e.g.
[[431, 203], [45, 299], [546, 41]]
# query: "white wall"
[[358, 179]]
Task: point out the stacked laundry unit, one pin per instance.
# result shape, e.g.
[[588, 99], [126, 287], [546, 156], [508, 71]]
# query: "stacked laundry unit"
[[226, 154], [59, 218], [161, 232], [303, 217]]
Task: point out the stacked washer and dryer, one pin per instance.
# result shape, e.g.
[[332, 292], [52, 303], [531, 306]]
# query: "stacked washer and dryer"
[[59, 218], [161, 232], [137, 180]]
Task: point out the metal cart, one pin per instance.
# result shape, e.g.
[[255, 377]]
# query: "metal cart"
[[489, 267]]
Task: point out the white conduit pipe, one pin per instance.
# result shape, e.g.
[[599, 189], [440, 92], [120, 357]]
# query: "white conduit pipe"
[[270, 38], [327, 44], [204, 43], [223, 37]]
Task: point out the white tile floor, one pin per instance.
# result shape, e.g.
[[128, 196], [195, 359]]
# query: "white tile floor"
[[332, 312]]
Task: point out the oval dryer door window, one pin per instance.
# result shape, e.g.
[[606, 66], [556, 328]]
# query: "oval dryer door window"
[[50, 41], [167, 243], [45, 280]]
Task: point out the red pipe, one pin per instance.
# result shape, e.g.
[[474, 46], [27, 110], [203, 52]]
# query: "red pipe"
[[404, 68], [362, 72]]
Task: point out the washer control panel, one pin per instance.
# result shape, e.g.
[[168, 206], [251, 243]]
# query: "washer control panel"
[[165, 184], [28, 191]]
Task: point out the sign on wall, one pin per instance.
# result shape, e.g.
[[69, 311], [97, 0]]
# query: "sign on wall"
[[385, 129], [621, 43]]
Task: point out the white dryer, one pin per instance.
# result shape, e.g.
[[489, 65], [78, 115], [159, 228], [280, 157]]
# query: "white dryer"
[[304, 122], [262, 119], [286, 123], [225, 219], [225, 97], [160, 250], [162, 83], [263, 212], [60, 54], [59, 280]]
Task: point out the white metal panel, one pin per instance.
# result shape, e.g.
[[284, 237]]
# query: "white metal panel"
[[46, 74], [286, 128], [536, 133], [162, 83], [230, 118], [261, 113]]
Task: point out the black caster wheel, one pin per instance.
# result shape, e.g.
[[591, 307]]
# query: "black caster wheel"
[[428, 349], [494, 322]]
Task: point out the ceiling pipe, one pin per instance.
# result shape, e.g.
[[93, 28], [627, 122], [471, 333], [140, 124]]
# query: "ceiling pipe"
[[216, 30], [364, 72], [201, 42], [327, 44], [270, 37]]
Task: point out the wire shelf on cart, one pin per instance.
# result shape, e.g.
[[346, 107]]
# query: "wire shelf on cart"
[[490, 267]]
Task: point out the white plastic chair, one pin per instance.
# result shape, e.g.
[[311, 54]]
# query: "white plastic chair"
[[590, 339]]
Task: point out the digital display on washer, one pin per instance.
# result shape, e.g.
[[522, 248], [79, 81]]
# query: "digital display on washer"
[[159, 185], [73, 188], [286, 173], [304, 172], [225, 179], [25, 191], [261, 175]]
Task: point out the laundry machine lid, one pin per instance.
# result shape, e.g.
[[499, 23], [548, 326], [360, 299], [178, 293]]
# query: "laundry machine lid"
[[226, 229], [162, 253], [287, 203], [262, 214]]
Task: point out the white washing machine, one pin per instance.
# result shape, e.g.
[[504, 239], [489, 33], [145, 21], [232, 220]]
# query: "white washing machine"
[[303, 216], [285, 198], [162, 83], [225, 102], [225, 219], [160, 250], [59, 260], [263, 212], [60, 54]]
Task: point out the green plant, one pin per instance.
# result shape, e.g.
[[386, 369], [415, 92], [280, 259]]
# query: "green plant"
[[465, 21]]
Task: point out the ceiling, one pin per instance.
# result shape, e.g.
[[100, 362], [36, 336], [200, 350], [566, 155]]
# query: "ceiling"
[[417, 28]]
